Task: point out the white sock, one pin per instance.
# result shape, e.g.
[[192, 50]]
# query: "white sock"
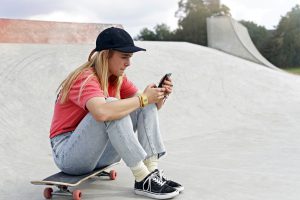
[[140, 171], [151, 163]]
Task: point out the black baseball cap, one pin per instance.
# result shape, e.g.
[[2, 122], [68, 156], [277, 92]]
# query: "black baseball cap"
[[116, 39]]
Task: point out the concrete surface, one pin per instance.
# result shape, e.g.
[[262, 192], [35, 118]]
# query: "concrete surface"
[[228, 35], [34, 31], [231, 126]]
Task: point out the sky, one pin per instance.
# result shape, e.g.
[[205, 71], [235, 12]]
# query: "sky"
[[137, 14]]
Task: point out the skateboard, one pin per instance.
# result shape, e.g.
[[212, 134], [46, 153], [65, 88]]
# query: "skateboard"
[[63, 181]]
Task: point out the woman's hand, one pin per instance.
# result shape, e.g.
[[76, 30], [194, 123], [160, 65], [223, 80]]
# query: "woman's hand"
[[168, 85], [154, 94]]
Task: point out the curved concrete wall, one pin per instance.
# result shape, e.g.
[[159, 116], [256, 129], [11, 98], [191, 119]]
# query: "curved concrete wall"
[[226, 34]]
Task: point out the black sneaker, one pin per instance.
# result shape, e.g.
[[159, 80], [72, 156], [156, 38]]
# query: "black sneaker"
[[152, 186], [173, 184]]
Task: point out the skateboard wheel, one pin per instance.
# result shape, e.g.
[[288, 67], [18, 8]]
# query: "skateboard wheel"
[[76, 194], [48, 193], [113, 174]]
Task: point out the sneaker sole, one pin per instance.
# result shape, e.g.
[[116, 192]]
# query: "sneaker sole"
[[155, 195], [180, 189]]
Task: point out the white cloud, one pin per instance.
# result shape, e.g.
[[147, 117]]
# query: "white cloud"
[[137, 14], [61, 16], [132, 14], [262, 12]]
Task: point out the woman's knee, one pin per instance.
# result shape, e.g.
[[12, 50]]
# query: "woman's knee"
[[150, 109]]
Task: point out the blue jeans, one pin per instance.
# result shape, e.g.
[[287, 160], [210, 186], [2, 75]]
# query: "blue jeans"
[[95, 144]]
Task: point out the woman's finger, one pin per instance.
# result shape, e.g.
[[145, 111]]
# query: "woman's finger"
[[152, 85], [168, 83], [169, 89], [160, 89], [161, 93]]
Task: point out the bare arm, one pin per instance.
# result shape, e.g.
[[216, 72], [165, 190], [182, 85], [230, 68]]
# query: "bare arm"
[[103, 111]]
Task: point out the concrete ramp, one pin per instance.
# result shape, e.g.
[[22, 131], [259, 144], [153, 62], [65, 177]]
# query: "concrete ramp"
[[228, 35], [49, 32], [231, 127]]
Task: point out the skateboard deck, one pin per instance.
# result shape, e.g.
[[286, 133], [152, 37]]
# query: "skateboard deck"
[[63, 181]]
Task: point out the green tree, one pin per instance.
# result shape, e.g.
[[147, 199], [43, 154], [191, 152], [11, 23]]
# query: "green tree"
[[258, 34], [285, 45], [161, 32], [192, 16], [146, 34]]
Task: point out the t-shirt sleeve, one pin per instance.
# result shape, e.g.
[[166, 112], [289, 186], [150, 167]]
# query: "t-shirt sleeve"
[[90, 89], [128, 89]]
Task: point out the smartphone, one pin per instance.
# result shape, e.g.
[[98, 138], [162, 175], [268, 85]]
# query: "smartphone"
[[163, 79]]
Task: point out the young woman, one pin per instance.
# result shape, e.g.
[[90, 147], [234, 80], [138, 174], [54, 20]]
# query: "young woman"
[[97, 112]]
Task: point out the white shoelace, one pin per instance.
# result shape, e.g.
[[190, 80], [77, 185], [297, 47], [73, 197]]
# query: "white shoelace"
[[155, 178], [161, 175]]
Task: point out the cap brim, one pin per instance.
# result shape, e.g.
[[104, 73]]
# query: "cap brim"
[[130, 49]]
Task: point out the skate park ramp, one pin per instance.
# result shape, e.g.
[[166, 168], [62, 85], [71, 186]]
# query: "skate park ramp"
[[228, 35], [231, 126], [49, 32]]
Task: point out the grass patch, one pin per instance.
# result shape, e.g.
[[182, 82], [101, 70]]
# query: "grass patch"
[[294, 70]]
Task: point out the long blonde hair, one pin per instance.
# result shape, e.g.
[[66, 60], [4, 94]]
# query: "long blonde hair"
[[99, 61]]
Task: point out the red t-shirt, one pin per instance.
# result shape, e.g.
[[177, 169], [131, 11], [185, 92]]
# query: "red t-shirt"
[[67, 116]]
